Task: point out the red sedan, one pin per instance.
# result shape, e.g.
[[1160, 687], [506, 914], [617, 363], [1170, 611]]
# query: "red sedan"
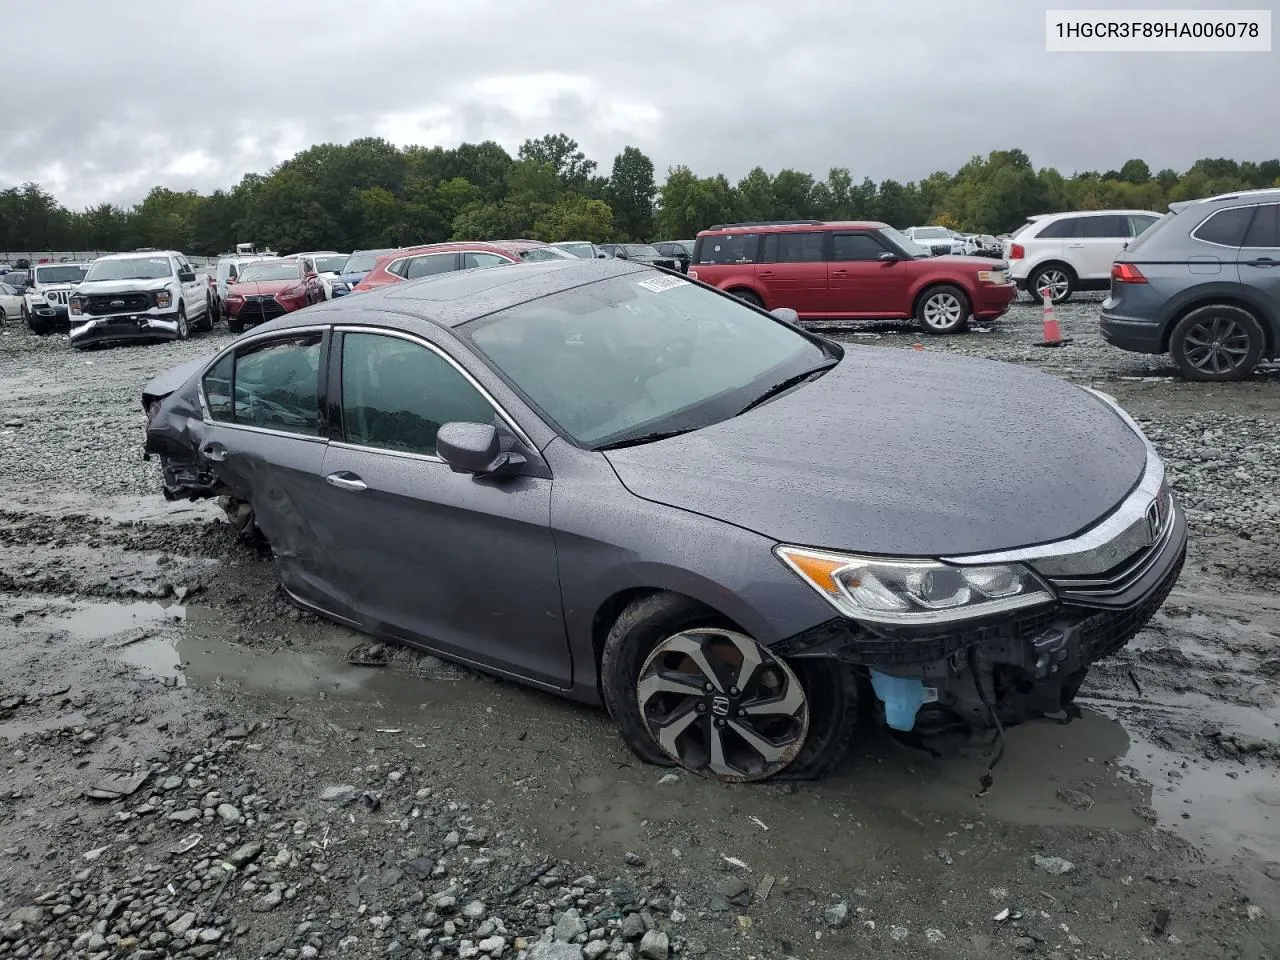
[[268, 289], [410, 263]]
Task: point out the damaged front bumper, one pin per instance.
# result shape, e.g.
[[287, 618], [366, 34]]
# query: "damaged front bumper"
[[120, 328], [1022, 666]]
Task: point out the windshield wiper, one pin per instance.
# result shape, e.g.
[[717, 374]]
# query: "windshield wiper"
[[786, 384], [643, 438]]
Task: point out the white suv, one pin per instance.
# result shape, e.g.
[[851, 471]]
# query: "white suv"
[[1066, 252], [44, 304]]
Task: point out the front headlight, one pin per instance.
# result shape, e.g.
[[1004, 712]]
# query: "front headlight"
[[163, 298], [914, 592]]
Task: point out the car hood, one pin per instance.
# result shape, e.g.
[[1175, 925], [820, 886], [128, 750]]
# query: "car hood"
[[120, 286], [165, 383], [352, 278], [898, 452], [261, 288]]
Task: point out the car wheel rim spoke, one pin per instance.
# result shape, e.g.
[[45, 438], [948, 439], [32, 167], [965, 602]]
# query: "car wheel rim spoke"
[[1218, 345], [722, 706]]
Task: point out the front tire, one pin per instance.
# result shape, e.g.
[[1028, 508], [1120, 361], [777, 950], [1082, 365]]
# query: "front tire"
[[670, 672], [746, 296], [235, 324], [1216, 343], [183, 330], [943, 309]]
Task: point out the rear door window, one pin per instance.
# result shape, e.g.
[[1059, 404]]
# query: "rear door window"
[[1264, 231], [396, 394], [1105, 226], [430, 265], [475, 259], [792, 248], [729, 248], [1226, 228]]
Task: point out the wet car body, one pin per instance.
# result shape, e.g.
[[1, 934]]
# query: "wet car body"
[[263, 292], [718, 531]]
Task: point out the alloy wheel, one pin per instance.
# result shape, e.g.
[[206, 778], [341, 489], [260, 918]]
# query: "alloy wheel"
[[182, 325], [1217, 345], [722, 706], [1056, 281], [943, 311]]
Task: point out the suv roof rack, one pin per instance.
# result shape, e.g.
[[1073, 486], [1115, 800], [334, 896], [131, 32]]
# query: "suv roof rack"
[[766, 223]]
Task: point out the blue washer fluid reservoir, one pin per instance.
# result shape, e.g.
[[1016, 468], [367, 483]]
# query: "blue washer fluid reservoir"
[[902, 698]]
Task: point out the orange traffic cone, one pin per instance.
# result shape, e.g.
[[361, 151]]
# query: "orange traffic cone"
[[1052, 333], [917, 345]]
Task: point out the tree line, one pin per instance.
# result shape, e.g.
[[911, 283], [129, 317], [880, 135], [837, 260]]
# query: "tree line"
[[370, 193]]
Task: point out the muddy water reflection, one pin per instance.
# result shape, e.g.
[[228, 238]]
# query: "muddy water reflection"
[[1089, 773]]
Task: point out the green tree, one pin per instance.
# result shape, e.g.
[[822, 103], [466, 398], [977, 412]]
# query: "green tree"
[[562, 154], [688, 204], [575, 217], [631, 192]]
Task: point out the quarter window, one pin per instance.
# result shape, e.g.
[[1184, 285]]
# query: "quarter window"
[[1058, 230], [1139, 223], [729, 248], [792, 248], [1264, 231], [273, 385], [430, 265], [399, 268], [1226, 227], [396, 394], [855, 246]]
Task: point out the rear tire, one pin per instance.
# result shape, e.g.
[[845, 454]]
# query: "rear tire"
[[1056, 275], [1216, 343], [829, 692], [746, 296], [942, 310]]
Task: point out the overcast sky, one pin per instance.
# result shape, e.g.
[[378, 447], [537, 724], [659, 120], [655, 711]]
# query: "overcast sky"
[[108, 99]]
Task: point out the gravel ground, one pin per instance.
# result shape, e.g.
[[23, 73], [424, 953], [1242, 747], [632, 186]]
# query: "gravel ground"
[[192, 768]]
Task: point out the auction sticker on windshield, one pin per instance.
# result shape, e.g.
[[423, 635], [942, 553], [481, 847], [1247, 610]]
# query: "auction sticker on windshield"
[[662, 284]]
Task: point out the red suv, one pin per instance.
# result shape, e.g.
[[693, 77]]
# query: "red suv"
[[856, 269], [410, 263]]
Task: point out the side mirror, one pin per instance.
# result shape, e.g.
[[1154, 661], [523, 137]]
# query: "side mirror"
[[186, 276], [311, 275], [601, 255], [786, 314], [476, 448], [619, 255], [888, 257]]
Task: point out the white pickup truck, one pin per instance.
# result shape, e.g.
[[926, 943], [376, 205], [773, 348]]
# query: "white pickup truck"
[[144, 295]]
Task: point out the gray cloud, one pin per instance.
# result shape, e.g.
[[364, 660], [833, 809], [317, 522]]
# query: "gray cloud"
[[195, 96]]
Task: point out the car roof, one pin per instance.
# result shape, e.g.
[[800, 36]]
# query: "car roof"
[[793, 227], [1062, 215], [452, 299], [1259, 195], [455, 246], [135, 255], [62, 263]]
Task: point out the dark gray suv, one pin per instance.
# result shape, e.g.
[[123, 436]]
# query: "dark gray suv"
[[1203, 285]]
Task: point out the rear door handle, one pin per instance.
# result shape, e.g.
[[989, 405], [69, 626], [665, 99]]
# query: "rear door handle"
[[765, 273], [839, 273], [1075, 246], [345, 480], [215, 452], [1262, 262]]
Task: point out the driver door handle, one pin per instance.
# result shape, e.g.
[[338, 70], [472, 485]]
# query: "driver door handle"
[[215, 452], [345, 480]]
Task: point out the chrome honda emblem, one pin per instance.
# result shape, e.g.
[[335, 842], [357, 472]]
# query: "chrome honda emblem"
[[1153, 520], [720, 706]]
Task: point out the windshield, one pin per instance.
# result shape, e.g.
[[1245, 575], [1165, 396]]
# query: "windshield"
[[584, 251], [930, 233], [534, 254], [285, 270], [626, 357], [362, 261], [640, 250], [69, 273], [130, 268], [905, 242], [331, 264]]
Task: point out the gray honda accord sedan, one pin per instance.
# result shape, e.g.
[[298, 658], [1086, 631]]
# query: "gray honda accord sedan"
[[608, 481]]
